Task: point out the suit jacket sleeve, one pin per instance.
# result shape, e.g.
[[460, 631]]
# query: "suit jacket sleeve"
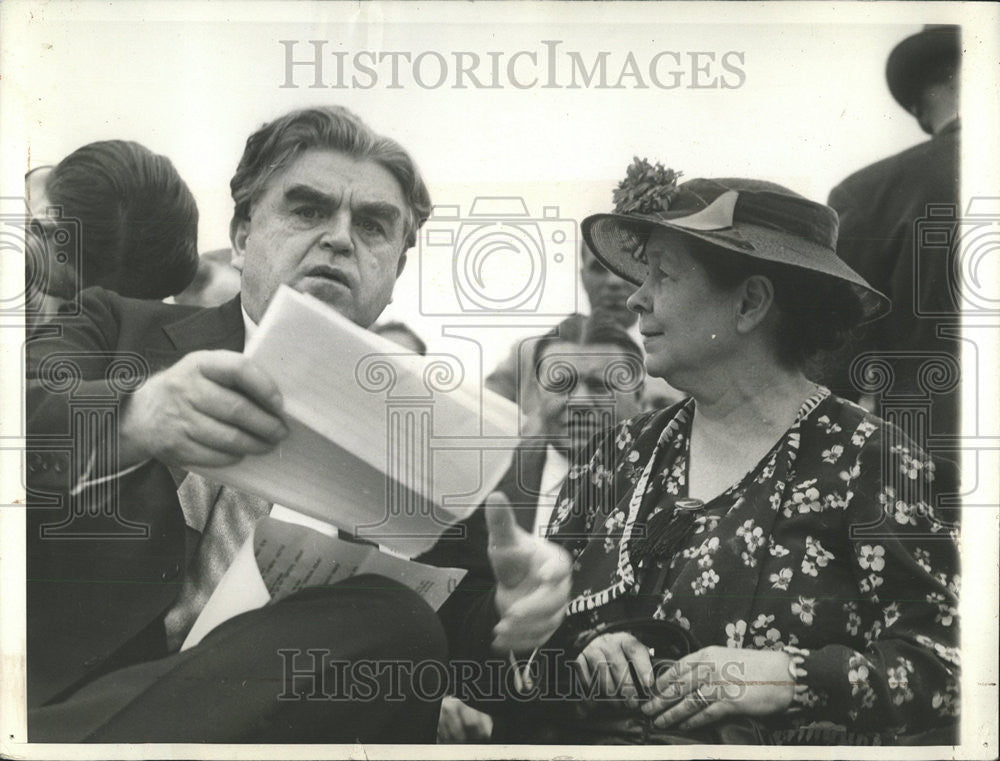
[[103, 563]]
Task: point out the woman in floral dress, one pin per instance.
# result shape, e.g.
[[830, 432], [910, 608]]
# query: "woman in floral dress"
[[789, 533]]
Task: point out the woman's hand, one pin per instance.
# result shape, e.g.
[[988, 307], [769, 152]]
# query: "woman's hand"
[[716, 682], [612, 664], [533, 580]]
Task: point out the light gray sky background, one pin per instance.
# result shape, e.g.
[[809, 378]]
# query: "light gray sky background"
[[192, 82]]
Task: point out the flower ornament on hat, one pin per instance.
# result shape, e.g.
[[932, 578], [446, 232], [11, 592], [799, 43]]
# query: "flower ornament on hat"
[[646, 188], [754, 218]]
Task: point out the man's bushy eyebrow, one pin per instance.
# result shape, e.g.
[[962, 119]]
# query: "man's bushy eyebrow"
[[311, 194], [388, 211], [306, 193]]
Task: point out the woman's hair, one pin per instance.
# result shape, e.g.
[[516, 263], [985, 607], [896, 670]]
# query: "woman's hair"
[[137, 219], [816, 312], [276, 144]]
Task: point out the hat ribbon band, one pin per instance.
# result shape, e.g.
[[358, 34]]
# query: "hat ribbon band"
[[785, 214], [718, 215]]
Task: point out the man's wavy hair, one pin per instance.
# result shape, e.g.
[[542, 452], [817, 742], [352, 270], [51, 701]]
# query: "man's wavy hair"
[[137, 217], [275, 145]]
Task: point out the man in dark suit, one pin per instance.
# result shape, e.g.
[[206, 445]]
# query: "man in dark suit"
[[880, 207], [590, 376], [124, 545]]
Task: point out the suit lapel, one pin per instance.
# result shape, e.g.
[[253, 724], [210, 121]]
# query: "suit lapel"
[[213, 328], [216, 328]]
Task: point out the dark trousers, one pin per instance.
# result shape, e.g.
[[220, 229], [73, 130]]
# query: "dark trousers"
[[327, 665]]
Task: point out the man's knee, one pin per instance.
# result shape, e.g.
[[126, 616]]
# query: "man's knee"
[[365, 616], [412, 626]]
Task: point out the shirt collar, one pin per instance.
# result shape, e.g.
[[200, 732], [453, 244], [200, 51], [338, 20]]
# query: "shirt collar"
[[554, 470], [248, 325]]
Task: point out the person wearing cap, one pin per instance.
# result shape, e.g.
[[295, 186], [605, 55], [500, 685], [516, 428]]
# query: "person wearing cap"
[[785, 537], [880, 207]]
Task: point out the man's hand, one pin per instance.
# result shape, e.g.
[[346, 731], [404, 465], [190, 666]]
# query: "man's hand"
[[459, 723], [533, 580], [212, 408]]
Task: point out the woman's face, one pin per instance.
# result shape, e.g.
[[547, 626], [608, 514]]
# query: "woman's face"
[[688, 325]]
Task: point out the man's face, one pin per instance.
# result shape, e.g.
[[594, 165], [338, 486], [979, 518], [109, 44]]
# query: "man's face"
[[605, 290], [402, 338], [328, 225], [46, 242], [585, 389], [34, 192]]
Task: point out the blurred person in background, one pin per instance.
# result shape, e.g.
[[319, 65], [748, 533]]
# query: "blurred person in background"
[[880, 207], [47, 283], [34, 189], [215, 282], [112, 214], [401, 334], [590, 377], [514, 379]]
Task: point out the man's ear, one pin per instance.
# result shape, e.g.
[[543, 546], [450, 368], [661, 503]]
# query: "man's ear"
[[402, 263], [756, 298], [239, 231]]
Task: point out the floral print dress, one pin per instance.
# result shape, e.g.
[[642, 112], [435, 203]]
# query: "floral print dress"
[[828, 550]]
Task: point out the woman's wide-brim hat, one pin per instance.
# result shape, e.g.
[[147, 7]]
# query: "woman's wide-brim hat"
[[753, 218], [911, 61]]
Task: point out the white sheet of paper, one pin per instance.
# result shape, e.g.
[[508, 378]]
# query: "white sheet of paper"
[[290, 551], [387, 445], [240, 589]]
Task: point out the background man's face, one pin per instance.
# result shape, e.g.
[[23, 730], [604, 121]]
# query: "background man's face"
[[585, 389], [605, 290], [57, 274], [402, 338], [34, 191], [328, 225]]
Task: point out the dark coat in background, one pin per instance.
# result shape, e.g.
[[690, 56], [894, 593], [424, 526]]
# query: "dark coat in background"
[[897, 220]]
